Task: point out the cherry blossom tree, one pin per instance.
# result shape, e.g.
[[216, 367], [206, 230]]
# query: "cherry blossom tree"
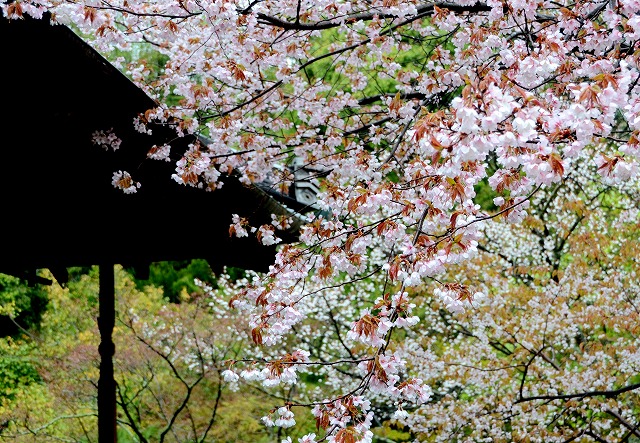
[[550, 355], [405, 109]]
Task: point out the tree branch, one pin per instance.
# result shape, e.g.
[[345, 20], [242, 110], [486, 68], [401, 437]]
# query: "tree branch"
[[611, 393], [366, 16], [632, 429]]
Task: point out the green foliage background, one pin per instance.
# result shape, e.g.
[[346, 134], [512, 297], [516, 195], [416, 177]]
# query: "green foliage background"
[[49, 369]]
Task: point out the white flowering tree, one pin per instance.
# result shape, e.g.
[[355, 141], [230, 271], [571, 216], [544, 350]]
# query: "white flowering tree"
[[407, 108], [551, 354]]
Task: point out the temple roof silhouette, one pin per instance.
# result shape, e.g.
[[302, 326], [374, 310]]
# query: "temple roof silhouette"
[[58, 204]]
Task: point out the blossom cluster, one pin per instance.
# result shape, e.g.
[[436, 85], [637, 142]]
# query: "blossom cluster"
[[106, 139]]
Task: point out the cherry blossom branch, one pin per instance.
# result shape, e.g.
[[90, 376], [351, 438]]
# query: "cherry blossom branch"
[[249, 7], [475, 368], [128, 11], [495, 344], [450, 232], [337, 285], [497, 214], [421, 11], [303, 363], [337, 330], [604, 393], [400, 137]]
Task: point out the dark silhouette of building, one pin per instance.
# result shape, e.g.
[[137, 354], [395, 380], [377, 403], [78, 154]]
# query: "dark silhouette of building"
[[59, 208]]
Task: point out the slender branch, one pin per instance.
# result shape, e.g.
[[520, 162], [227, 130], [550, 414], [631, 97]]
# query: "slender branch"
[[610, 393], [145, 14], [24, 331], [626, 424], [476, 368], [52, 422], [310, 363], [177, 412], [131, 422], [400, 137], [215, 410], [337, 329], [595, 436]]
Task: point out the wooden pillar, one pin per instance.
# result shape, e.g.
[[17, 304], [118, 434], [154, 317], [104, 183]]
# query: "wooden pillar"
[[106, 383]]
